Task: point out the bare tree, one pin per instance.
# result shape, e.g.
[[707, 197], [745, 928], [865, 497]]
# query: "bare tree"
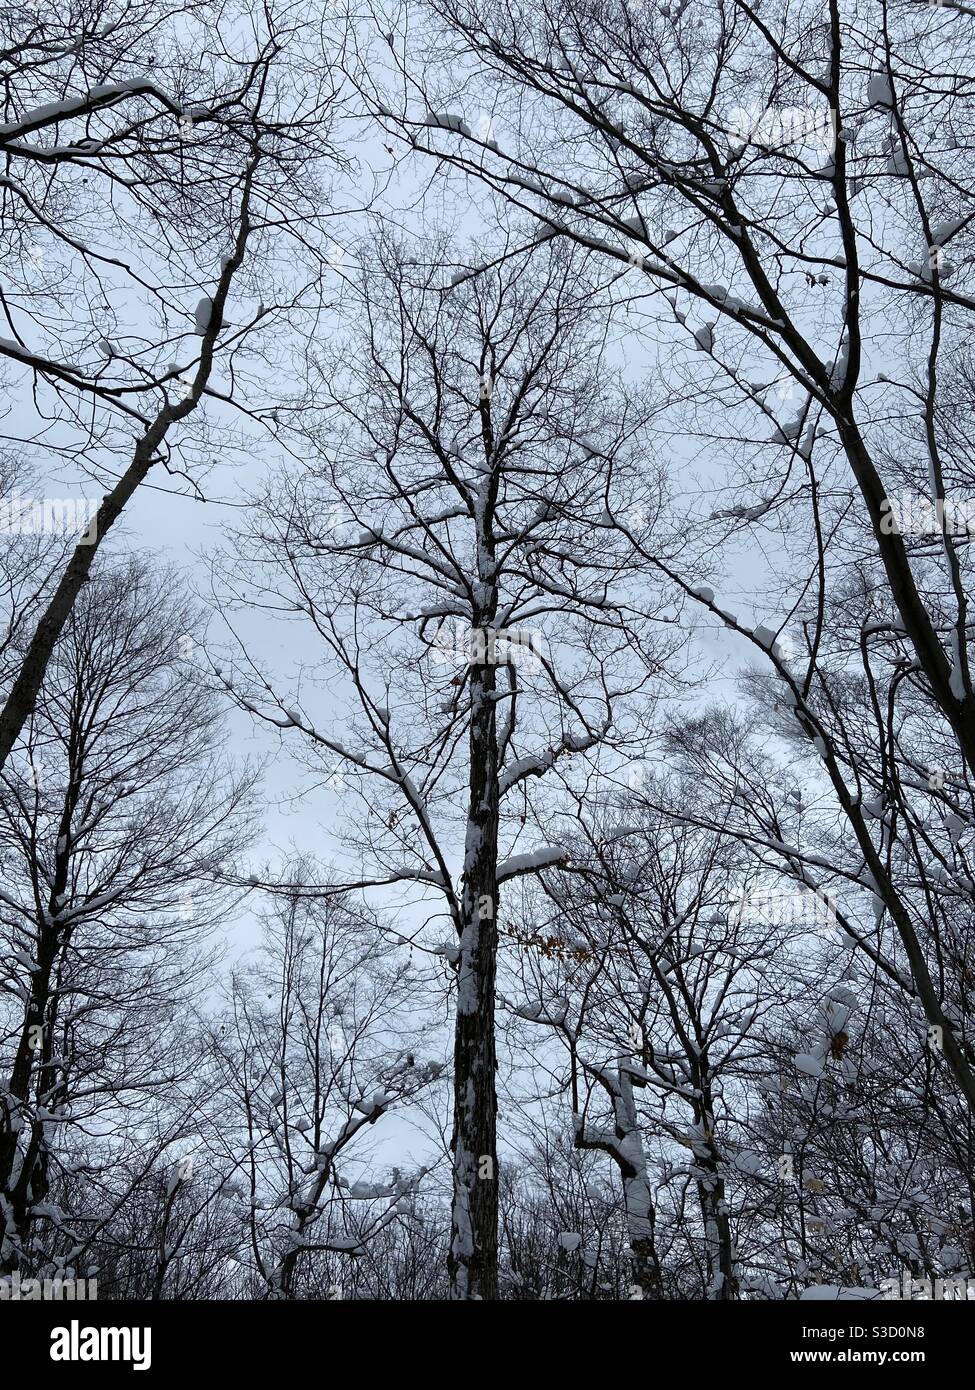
[[438, 546], [147, 196], [118, 819], [659, 987], [786, 199], [870, 1060], [317, 1045]]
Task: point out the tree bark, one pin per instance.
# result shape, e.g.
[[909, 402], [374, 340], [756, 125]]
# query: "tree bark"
[[472, 1262]]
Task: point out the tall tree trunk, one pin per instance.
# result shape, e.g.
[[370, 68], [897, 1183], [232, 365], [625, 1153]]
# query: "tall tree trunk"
[[24, 1161], [19, 1171], [473, 1257]]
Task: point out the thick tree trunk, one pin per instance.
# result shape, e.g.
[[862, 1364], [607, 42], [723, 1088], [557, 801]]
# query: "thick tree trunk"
[[473, 1258], [637, 1197]]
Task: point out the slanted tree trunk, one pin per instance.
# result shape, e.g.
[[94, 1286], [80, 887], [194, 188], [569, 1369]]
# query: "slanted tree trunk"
[[22, 697]]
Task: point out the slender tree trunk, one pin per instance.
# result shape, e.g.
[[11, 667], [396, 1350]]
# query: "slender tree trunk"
[[24, 1165], [21, 700], [958, 709], [20, 1174], [714, 1207]]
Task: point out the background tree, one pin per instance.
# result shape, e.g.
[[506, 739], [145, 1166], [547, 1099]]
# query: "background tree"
[[878, 1069], [119, 818], [315, 1048], [160, 204], [659, 986]]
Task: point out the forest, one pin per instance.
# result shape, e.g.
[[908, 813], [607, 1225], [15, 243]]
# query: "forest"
[[487, 724]]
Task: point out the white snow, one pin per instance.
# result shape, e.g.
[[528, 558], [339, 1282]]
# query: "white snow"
[[809, 1063], [545, 858], [201, 316], [448, 121], [879, 91], [704, 337]]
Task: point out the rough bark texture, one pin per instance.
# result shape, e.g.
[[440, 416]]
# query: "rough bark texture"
[[473, 1258], [24, 1160], [472, 1261]]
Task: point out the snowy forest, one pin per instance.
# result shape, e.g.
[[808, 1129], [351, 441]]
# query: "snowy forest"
[[487, 724]]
